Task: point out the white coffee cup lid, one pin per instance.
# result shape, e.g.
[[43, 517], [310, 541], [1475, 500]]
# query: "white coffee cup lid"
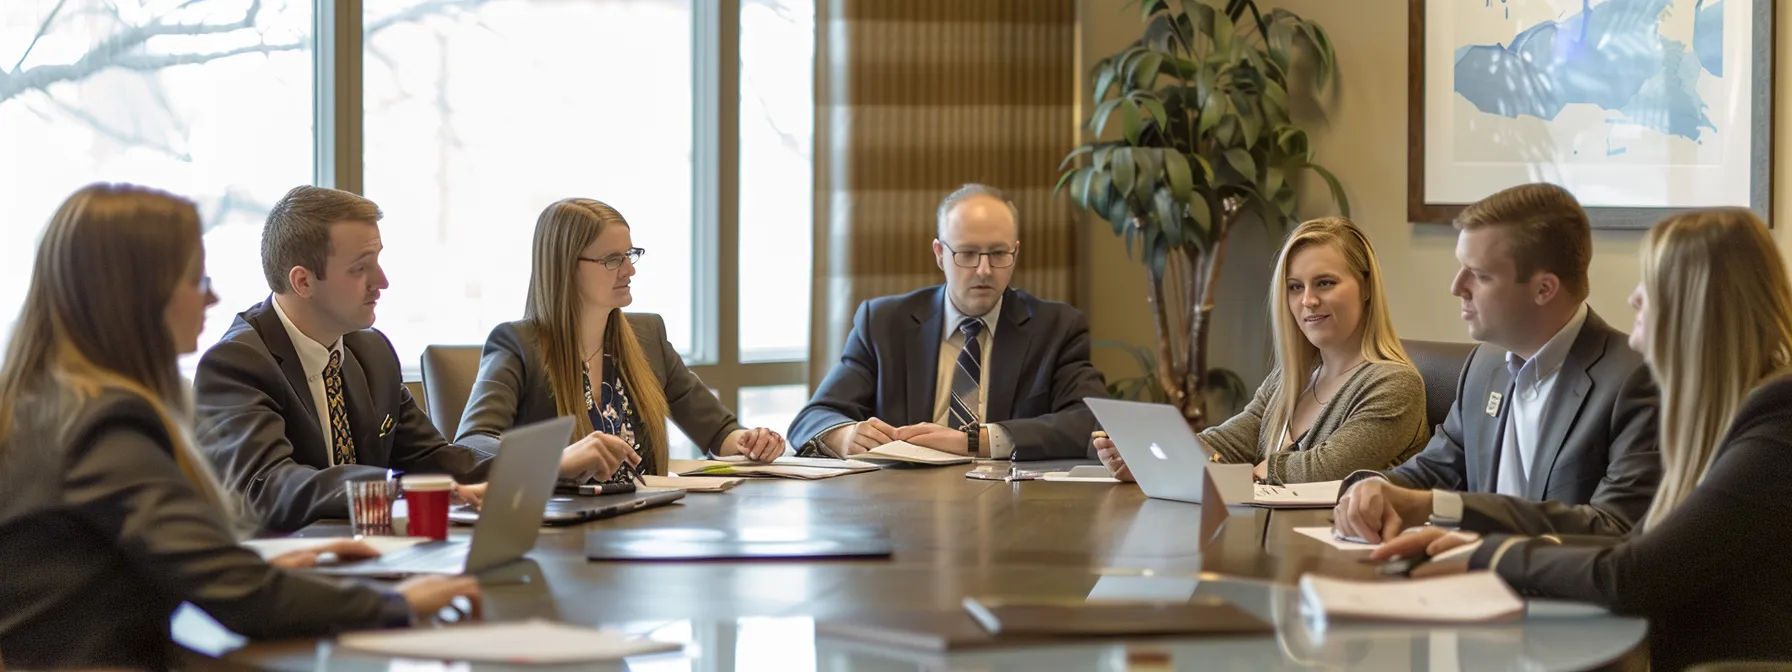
[[426, 482]]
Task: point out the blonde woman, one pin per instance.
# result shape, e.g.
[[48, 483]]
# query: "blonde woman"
[[1343, 395], [576, 353], [110, 517], [1706, 565]]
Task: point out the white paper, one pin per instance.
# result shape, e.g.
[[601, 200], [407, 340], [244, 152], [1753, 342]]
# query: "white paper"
[[1324, 534], [1324, 493], [692, 483], [903, 451], [527, 642], [1115, 588], [1082, 474], [816, 462], [1463, 598], [268, 548]]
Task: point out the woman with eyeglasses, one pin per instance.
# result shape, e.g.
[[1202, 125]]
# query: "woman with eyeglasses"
[[109, 515], [1343, 396], [576, 353]]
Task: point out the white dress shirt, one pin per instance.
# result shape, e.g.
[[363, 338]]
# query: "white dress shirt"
[[1533, 383], [951, 344], [313, 357]]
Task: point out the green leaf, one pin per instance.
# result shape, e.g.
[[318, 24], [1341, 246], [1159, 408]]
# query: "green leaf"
[[1281, 44], [1211, 111], [1223, 30], [1275, 98], [1103, 82], [1085, 149], [1206, 168], [1202, 214], [1102, 113], [1066, 178], [1156, 108], [1118, 211], [1227, 130], [1167, 216], [1272, 180], [1101, 156], [1248, 119], [1132, 233], [1151, 164], [1100, 192], [1151, 7], [1132, 123], [1144, 70], [1157, 253], [1331, 181], [1182, 182], [1242, 162], [1124, 170]]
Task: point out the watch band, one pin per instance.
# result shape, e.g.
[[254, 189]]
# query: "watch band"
[[973, 432]]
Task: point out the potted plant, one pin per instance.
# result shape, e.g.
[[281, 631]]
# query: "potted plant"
[[1207, 144]]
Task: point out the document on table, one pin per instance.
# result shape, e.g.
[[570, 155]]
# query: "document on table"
[[1082, 474], [690, 483], [687, 468], [529, 642], [905, 452], [1296, 496], [1474, 597], [268, 548], [1325, 535], [815, 462]]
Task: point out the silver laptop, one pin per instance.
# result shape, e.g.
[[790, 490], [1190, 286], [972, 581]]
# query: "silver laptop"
[[522, 479], [1166, 458], [564, 509]]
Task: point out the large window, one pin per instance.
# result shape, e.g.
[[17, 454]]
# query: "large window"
[[210, 99], [462, 120]]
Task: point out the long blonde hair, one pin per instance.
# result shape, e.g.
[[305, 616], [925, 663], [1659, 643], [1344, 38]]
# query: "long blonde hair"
[[1719, 323], [1297, 357], [94, 319], [562, 233]]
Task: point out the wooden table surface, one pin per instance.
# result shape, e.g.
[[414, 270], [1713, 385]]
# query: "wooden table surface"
[[955, 537]]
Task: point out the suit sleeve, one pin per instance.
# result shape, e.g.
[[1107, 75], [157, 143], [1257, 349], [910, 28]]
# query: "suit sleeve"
[[1064, 432], [1633, 471], [1443, 464], [1236, 439], [1690, 556], [123, 481], [1384, 423], [693, 407], [492, 404], [243, 432], [848, 393]]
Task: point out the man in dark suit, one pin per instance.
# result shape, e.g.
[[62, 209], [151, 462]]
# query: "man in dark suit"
[[302, 394], [1553, 407], [971, 367]]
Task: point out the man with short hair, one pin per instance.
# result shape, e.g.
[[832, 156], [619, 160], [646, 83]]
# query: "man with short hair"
[[971, 367], [302, 394], [1553, 405]]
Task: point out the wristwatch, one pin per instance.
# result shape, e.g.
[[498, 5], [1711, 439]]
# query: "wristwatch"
[[972, 432]]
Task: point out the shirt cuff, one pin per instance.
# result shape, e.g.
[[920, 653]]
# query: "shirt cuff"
[[1001, 446], [395, 612], [1446, 508]]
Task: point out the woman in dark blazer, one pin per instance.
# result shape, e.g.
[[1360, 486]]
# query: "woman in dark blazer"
[[1707, 565], [110, 517], [575, 353]]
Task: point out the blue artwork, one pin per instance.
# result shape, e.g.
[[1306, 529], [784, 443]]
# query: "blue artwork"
[[1612, 55]]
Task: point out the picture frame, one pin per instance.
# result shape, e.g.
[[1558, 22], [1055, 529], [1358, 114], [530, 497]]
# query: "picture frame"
[[1641, 108]]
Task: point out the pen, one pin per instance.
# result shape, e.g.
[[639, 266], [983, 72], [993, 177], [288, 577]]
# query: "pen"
[[633, 475], [606, 489]]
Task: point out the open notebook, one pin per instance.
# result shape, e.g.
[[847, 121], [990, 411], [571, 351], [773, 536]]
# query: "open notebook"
[[776, 469], [903, 452], [1474, 597]]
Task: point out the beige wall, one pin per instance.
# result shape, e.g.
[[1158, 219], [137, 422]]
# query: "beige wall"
[[1360, 134]]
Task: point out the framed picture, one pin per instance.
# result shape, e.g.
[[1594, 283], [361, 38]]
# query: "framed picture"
[[1641, 108]]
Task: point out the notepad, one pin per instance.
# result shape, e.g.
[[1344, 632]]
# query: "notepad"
[[528, 642], [1296, 496], [1082, 474], [854, 466], [903, 452], [268, 548], [691, 484], [1325, 535], [688, 468], [1474, 597]]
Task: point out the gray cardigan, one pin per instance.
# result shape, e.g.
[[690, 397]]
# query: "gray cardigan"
[[1376, 421], [512, 390]]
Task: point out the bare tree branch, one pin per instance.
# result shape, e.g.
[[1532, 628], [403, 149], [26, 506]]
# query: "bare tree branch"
[[123, 137], [145, 62], [109, 52], [49, 20], [420, 11]]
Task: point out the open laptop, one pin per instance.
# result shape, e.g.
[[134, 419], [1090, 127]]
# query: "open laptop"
[[522, 478], [1166, 458]]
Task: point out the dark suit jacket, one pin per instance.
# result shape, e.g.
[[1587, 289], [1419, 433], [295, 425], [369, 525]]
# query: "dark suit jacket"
[[512, 389], [102, 536], [1712, 577], [1039, 372], [257, 424], [1597, 464]]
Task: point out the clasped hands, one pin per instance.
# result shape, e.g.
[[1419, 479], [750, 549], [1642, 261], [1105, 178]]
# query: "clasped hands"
[[1379, 512], [859, 437]]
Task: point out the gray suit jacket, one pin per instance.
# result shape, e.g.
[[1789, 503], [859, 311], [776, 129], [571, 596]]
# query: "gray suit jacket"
[[257, 424], [102, 536], [1597, 465], [1039, 373], [512, 389]]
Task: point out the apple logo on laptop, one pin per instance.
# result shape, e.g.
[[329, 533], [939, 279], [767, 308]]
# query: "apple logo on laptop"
[[1158, 452]]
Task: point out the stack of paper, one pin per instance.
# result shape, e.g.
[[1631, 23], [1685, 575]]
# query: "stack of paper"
[[907, 453], [1297, 496], [1474, 597], [853, 466], [529, 642], [720, 468], [691, 484], [268, 548], [1330, 538]]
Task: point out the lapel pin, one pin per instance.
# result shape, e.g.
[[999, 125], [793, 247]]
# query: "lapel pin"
[[386, 426], [1493, 403]]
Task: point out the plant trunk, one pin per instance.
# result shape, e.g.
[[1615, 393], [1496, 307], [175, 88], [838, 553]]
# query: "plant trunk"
[[1200, 306], [1168, 376]]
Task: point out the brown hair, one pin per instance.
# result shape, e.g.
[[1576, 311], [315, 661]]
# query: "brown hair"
[[1546, 230], [1297, 357], [562, 233], [94, 317], [297, 232]]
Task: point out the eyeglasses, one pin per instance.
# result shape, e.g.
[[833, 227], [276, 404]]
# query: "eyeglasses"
[[614, 261], [997, 259]]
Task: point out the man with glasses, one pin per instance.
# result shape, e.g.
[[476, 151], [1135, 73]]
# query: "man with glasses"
[[971, 367]]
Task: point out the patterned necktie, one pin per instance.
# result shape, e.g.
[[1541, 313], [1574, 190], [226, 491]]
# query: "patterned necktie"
[[341, 438], [966, 376]]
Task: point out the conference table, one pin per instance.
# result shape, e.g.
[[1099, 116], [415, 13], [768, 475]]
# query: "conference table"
[[954, 536]]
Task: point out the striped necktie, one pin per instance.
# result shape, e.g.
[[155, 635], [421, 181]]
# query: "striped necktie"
[[966, 376]]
